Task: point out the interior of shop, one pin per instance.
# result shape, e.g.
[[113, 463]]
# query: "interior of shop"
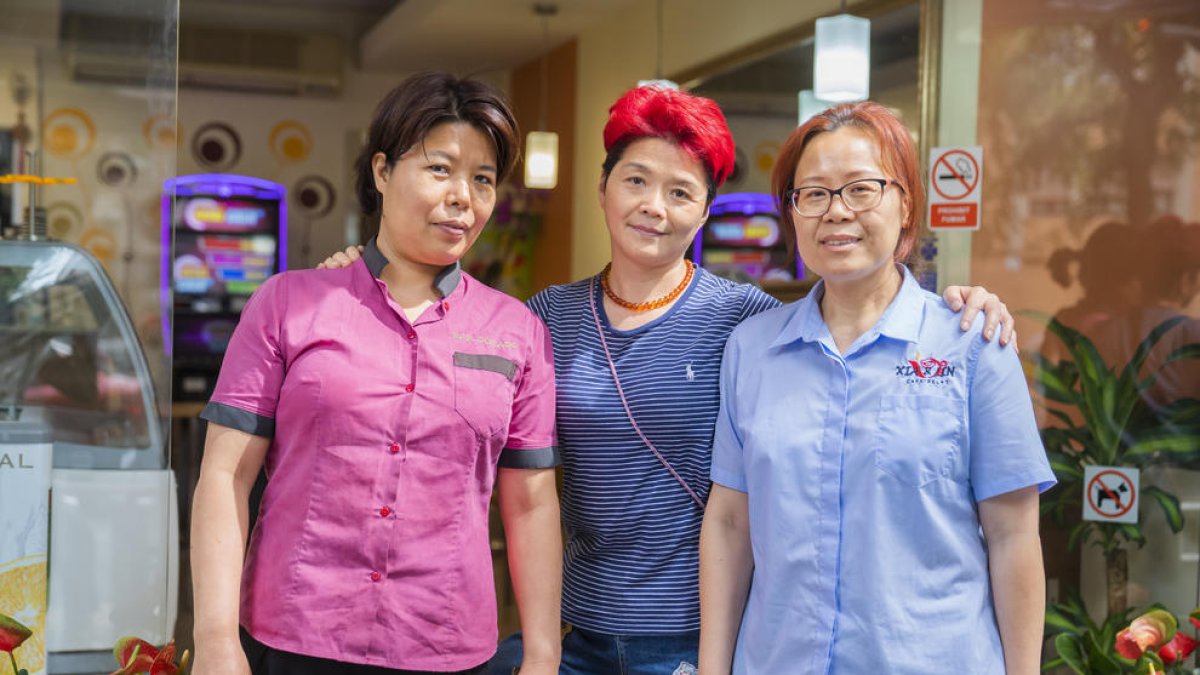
[[160, 160]]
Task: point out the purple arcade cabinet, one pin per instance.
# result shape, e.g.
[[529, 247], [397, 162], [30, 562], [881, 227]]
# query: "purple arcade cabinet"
[[230, 235]]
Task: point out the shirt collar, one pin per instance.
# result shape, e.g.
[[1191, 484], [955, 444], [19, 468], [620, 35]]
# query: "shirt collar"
[[445, 282], [900, 321]]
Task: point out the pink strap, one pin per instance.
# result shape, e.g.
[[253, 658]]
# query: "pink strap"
[[629, 413]]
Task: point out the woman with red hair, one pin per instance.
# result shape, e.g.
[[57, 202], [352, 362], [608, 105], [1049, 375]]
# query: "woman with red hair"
[[863, 446], [637, 352]]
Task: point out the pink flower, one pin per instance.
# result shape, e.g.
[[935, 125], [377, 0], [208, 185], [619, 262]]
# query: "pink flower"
[[1149, 631], [12, 633], [1179, 648]]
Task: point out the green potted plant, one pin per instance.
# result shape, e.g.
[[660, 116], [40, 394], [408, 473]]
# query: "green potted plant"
[[1103, 419]]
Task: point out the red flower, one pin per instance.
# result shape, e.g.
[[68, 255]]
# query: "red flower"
[[1149, 631], [12, 633], [1179, 648], [134, 655]]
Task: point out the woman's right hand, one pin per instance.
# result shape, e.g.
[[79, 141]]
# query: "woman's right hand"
[[341, 259], [223, 657]]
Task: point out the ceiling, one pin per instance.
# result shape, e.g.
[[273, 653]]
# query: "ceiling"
[[404, 35]]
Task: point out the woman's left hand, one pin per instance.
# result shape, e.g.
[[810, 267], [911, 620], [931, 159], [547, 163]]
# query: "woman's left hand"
[[974, 298]]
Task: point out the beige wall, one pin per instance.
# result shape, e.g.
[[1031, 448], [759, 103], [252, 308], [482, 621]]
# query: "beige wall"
[[614, 55]]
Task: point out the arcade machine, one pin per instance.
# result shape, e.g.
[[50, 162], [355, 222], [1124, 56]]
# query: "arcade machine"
[[74, 381], [743, 241], [230, 235]]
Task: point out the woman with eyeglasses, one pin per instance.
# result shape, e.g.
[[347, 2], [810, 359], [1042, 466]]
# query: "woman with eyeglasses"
[[637, 351], [875, 471]]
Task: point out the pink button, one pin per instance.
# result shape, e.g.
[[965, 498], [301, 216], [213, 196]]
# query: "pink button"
[[446, 306], [410, 387], [376, 576], [385, 512], [394, 448], [412, 335]]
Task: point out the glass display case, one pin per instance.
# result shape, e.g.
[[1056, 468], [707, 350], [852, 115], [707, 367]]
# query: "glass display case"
[[72, 366]]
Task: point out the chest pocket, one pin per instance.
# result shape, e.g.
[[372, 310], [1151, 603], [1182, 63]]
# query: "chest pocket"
[[483, 390], [919, 439]]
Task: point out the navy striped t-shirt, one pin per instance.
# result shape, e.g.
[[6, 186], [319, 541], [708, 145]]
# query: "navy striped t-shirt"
[[631, 563]]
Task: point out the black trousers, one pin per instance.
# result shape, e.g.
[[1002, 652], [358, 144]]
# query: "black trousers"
[[266, 660]]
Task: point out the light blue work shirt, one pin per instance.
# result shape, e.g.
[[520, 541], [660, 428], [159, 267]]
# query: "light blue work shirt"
[[862, 473]]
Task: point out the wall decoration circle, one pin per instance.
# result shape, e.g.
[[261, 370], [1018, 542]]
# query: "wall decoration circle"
[[314, 196], [216, 146], [161, 131], [290, 142], [116, 169], [100, 243], [63, 220], [69, 133]]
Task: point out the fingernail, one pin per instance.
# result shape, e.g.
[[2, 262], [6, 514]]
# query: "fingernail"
[[988, 334], [964, 325]]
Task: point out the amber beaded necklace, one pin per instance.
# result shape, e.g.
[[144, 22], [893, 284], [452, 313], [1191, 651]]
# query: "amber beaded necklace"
[[689, 271]]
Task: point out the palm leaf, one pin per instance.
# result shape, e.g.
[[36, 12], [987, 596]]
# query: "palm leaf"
[[1170, 506], [1131, 369], [1068, 650], [1191, 351], [1168, 445]]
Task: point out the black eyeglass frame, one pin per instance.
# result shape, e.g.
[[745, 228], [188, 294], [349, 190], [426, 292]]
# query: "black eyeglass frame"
[[790, 196]]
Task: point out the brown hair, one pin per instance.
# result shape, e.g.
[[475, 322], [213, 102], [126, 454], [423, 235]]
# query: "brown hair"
[[896, 154], [420, 103]]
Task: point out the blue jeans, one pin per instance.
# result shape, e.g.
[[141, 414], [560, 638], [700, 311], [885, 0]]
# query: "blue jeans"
[[588, 653]]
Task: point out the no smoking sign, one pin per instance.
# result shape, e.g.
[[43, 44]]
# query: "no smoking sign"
[[1110, 494], [955, 175]]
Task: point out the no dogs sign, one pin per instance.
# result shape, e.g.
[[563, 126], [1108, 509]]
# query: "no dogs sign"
[[955, 175], [1110, 494]]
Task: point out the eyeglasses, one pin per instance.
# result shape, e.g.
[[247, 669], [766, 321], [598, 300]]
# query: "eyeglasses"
[[860, 195]]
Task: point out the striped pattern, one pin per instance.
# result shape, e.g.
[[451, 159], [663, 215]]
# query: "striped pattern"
[[631, 555]]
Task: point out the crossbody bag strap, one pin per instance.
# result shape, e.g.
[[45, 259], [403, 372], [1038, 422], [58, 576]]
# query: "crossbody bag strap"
[[625, 404]]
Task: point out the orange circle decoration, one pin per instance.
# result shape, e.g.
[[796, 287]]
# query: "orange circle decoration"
[[290, 142], [100, 243], [161, 131], [63, 220], [69, 133], [764, 156]]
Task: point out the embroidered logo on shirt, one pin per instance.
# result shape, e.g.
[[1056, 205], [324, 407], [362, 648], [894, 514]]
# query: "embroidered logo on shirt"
[[928, 370], [691, 374], [479, 339]]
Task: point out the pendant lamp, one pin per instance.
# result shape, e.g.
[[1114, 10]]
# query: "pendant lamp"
[[842, 58], [541, 147], [810, 105]]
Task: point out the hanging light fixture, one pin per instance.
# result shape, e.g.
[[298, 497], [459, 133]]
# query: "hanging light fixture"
[[842, 58], [541, 147], [810, 105]]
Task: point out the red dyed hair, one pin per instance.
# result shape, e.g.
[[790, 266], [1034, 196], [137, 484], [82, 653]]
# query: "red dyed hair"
[[695, 123], [897, 157]]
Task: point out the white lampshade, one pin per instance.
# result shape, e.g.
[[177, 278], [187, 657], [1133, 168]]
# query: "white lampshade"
[[842, 68], [810, 105], [541, 160]]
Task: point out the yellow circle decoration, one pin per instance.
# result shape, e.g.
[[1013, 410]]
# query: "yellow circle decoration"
[[290, 142], [764, 156], [100, 243], [69, 133], [63, 220], [161, 131]]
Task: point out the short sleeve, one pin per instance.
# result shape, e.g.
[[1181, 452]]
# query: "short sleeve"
[[728, 468], [1006, 448], [531, 433], [252, 371]]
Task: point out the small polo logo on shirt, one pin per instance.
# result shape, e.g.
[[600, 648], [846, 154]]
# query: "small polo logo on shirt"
[[691, 374], [929, 370]]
